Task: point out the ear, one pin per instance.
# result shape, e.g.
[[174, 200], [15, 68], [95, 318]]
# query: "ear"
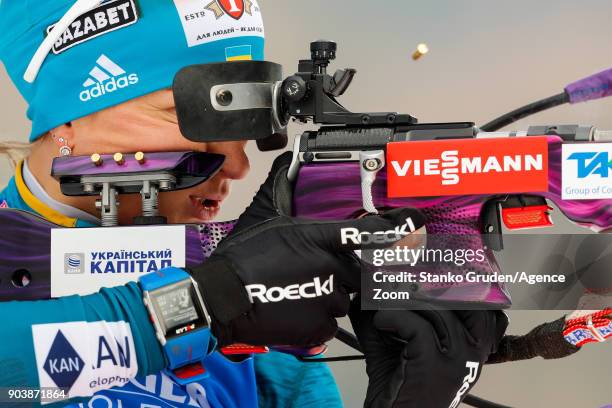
[[63, 135]]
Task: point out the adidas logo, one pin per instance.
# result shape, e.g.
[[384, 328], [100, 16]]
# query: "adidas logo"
[[105, 77]]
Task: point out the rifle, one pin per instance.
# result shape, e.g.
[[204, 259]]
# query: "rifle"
[[465, 180], [460, 176]]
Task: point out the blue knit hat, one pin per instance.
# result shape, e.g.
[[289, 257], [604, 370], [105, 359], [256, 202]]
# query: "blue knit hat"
[[118, 49]]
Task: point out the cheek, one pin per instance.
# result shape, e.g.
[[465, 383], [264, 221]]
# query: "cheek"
[[128, 133], [176, 206], [156, 136], [152, 136]]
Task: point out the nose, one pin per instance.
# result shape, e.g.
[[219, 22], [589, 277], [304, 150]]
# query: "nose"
[[236, 165]]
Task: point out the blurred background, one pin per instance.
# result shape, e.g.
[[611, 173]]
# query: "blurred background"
[[485, 59]]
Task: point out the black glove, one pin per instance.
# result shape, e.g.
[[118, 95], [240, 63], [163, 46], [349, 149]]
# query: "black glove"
[[279, 280], [424, 358]]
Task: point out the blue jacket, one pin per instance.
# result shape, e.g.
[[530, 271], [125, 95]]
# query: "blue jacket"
[[103, 348]]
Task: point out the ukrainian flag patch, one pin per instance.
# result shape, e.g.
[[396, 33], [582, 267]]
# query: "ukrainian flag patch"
[[238, 53]]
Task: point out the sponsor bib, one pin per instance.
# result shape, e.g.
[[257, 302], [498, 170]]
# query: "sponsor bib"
[[84, 357], [83, 260]]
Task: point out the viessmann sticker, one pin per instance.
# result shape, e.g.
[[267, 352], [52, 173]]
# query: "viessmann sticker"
[[467, 166]]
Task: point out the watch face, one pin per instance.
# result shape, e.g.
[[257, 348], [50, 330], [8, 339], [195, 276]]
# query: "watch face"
[[178, 309]]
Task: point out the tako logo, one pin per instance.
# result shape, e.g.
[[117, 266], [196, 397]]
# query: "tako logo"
[[592, 163], [468, 380], [378, 237], [296, 291], [63, 363], [104, 78], [585, 171], [467, 166], [233, 8]]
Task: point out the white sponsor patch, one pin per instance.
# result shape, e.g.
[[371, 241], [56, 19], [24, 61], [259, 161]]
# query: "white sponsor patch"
[[101, 20], [380, 237], [468, 381], [296, 291], [83, 260], [84, 357], [104, 78], [205, 21], [586, 172]]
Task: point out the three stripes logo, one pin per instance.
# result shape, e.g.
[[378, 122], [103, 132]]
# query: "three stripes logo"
[[105, 77]]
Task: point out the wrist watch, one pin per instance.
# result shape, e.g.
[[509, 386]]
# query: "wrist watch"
[[181, 321]]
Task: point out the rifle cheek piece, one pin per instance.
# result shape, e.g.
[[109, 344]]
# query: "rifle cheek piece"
[[228, 101]]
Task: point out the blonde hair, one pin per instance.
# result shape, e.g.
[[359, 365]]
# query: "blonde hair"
[[15, 151]]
